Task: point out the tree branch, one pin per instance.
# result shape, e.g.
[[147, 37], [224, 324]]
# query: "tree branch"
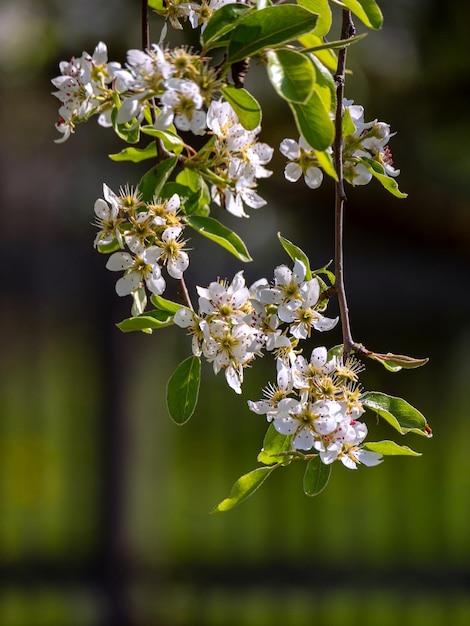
[[347, 31]]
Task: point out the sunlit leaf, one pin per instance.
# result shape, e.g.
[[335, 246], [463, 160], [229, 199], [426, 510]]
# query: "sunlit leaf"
[[244, 487], [325, 55], [153, 181], [221, 23], [135, 154], [295, 254], [220, 234], [322, 9], [313, 122], [325, 85], [397, 412], [245, 106], [389, 448], [183, 390], [390, 184], [268, 28], [165, 305], [291, 73], [316, 476], [396, 362], [274, 443], [146, 321], [171, 141], [367, 11]]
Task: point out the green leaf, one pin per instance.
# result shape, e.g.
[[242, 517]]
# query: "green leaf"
[[183, 389], [322, 9], [291, 74], [325, 161], [328, 273], [367, 11], [397, 412], [347, 125], [129, 132], [296, 253], [152, 182], [267, 28], [165, 305], [313, 122], [244, 487], [146, 321], [222, 22], [245, 106], [396, 362], [156, 5], [390, 184], [325, 55], [135, 154], [171, 141], [273, 444], [223, 236], [316, 476], [325, 85], [196, 203], [390, 448]]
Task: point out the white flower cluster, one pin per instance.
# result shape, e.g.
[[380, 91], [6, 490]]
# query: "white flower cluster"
[[150, 232], [234, 324], [366, 140], [196, 14], [318, 402], [180, 90]]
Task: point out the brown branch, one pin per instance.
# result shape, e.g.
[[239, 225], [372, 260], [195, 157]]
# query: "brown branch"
[[347, 31]]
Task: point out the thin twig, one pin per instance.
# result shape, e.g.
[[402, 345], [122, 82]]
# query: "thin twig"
[[347, 32]]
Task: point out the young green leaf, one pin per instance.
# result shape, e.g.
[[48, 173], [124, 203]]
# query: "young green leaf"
[[325, 55], [313, 122], [291, 74], [273, 444], [165, 305], [325, 85], [396, 362], [220, 234], [152, 182], [222, 21], [183, 389], [245, 106], [389, 448], [397, 412], [135, 154], [295, 254], [367, 11], [267, 28], [316, 476], [156, 5], [170, 140], [322, 8], [146, 321], [244, 487], [325, 161], [377, 170]]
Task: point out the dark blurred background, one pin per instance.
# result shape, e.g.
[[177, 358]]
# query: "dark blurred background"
[[103, 500]]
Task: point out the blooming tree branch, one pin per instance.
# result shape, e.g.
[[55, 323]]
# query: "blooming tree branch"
[[166, 97]]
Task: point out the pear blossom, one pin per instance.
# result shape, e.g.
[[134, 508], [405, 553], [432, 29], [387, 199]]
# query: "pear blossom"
[[171, 252], [183, 102], [108, 216], [302, 160], [138, 268]]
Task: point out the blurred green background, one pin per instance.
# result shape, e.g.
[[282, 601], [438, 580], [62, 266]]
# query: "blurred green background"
[[104, 501]]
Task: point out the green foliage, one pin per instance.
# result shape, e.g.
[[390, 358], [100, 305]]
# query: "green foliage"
[[397, 412], [153, 181], [244, 487], [245, 106], [295, 254], [146, 322], [215, 231], [316, 476], [314, 122], [367, 11], [291, 73], [183, 390], [274, 447], [390, 448], [222, 22], [136, 154], [273, 26]]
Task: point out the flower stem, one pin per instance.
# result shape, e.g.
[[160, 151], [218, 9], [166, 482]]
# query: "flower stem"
[[347, 31]]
